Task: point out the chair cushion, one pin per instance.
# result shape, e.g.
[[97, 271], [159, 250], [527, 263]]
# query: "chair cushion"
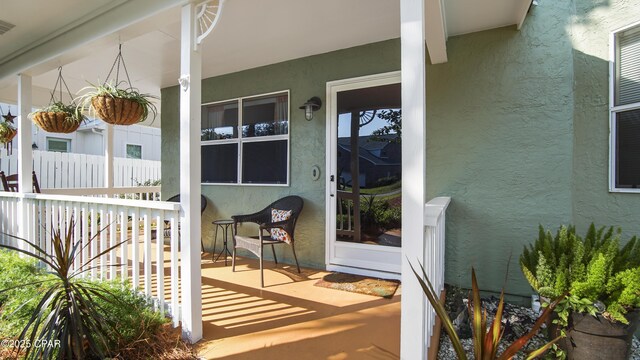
[[279, 234]]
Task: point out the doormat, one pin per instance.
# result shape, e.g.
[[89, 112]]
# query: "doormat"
[[359, 284]]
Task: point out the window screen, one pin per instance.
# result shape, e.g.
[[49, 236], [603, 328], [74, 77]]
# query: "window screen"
[[625, 112], [58, 145], [628, 149], [264, 162], [246, 140], [220, 163], [628, 67]]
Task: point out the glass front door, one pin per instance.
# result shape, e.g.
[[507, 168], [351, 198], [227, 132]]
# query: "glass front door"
[[366, 165]]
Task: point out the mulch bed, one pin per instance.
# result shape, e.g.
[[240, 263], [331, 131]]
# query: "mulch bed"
[[517, 321]]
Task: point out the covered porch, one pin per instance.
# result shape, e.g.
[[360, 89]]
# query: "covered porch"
[[169, 28]]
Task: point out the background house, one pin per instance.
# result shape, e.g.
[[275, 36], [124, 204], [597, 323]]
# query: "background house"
[[133, 142], [380, 160]]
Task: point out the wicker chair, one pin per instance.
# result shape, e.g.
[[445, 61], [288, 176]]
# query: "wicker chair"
[[176, 198], [255, 244], [10, 183]]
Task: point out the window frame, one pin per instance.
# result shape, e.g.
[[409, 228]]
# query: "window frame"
[[126, 153], [615, 109], [61, 139], [240, 139]]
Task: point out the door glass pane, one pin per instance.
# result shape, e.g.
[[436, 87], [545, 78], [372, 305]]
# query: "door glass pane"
[[369, 166], [220, 163]]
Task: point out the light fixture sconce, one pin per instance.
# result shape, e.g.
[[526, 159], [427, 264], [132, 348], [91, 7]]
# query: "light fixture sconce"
[[310, 106]]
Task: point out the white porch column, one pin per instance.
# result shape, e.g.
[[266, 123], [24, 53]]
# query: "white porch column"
[[25, 155], [108, 157], [190, 100], [413, 341]]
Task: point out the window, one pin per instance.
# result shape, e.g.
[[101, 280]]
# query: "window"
[[134, 151], [59, 145], [246, 141], [625, 110]]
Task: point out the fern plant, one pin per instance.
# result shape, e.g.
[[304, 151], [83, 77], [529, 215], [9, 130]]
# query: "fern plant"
[[593, 270]]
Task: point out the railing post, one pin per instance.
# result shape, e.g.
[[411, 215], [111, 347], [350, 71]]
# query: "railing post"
[[24, 154], [190, 103], [413, 342], [108, 157]]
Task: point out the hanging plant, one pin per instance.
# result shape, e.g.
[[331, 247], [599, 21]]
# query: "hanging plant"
[[59, 117], [115, 102], [7, 130]]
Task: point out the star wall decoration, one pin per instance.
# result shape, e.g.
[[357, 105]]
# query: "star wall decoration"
[[9, 117]]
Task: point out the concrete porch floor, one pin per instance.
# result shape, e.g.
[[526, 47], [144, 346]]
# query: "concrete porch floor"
[[290, 318]]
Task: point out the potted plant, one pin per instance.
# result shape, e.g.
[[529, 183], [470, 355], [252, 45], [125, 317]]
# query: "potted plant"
[[118, 106], [7, 132], [602, 280], [58, 117]]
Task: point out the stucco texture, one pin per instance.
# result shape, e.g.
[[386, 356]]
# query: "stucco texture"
[[304, 78], [500, 142], [592, 25]]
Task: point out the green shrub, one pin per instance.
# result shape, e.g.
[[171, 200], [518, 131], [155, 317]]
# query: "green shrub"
[[132, 314], [21, 278], [591, 270], [80, 317]]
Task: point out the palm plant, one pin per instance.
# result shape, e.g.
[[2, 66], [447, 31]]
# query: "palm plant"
[[67, 319], [485, 340]]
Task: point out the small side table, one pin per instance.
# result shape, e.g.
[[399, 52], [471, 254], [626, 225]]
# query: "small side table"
[[224, 226]]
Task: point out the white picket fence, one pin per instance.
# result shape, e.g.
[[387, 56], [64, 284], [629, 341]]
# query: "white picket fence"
[[433, 257], [146, 231], [57, 170]]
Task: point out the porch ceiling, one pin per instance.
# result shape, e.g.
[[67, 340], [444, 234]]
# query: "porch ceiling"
[[250, 33]]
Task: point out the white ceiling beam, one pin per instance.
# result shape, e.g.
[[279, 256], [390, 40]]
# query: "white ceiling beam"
[[107, 22], [523, 9], [436, 31]]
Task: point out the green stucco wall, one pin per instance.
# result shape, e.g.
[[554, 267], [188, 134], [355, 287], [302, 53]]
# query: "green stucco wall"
[[517, 136], [591, 27], [304, 78], [500, 142]]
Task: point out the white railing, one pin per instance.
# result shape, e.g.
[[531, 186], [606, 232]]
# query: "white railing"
[[8, 216], [134, 192], [433, 260], [69, 170], [140, 229]]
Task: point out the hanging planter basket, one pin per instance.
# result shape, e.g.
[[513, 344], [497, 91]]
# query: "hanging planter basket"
[[117, 111], [54, 122], [118, 103], [7, 131], [59, 117]]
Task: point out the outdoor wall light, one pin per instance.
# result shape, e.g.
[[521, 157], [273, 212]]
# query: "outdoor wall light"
[[310, 106]]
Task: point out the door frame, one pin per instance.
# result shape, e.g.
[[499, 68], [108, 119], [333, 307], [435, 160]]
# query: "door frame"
[[333, 260]]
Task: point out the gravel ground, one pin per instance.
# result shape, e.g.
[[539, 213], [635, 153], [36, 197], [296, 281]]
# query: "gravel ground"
[[517, 320]]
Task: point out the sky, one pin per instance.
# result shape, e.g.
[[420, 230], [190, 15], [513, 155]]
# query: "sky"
[[344, 126]]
